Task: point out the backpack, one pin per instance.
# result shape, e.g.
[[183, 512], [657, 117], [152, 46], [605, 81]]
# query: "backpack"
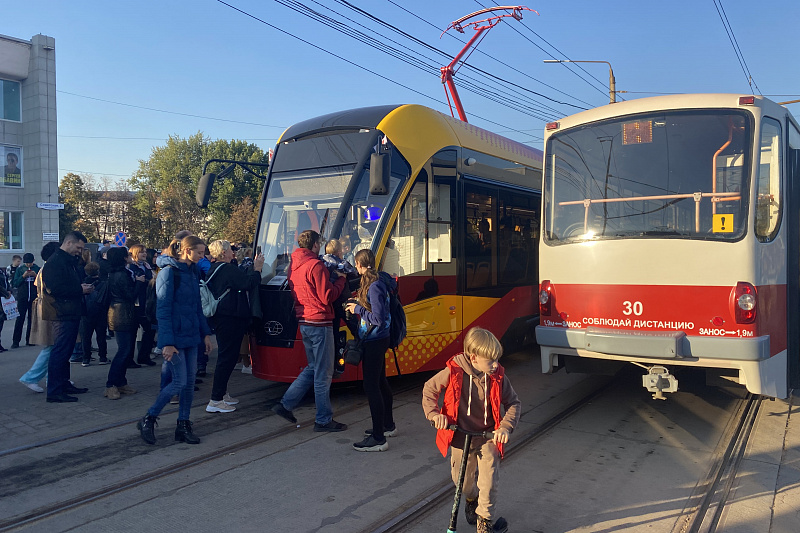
[[397, 328], [101, 297], [207, 299]]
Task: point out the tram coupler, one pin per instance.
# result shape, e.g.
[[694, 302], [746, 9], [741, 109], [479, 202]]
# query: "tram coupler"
[[658, 381]]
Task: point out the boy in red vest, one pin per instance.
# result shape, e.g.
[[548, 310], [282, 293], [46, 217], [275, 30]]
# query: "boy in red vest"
[[475, 388]]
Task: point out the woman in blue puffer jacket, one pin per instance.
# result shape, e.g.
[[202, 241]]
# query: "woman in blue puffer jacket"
[[181, 327]]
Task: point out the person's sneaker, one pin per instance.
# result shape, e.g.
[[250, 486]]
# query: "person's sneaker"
[[74, 361], [331, 426], [126, 389], [485, 525], [103, 361], [201, 373], [470, 511], [247, 370], [29, 344], [14, 345], [32, 386], [112, 393], [370, 444], [219, 407], [175, 399], [386, 432], [230, 400], [281, 411], [156, 351], [86, 362]]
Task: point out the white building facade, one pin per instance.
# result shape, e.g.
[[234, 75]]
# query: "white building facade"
[[28, 146]]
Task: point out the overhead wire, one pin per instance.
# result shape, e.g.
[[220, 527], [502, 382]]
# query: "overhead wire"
[[545, 114], [735, 44], [493, 58], [352, 63], [602, 84]]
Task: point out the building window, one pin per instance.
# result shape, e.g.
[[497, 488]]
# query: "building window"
[[12, 231], [12, 166], [10, 102]]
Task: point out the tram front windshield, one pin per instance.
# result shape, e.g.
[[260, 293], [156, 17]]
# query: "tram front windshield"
[[667, 175], [300, 199]]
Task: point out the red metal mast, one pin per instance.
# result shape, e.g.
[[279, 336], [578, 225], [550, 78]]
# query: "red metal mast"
[[480, 26]]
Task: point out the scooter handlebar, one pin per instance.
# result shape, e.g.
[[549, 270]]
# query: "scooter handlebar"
[[484, 434]]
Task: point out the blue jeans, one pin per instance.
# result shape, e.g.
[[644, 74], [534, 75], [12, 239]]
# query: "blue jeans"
[[182, 367], [318, 342], [66, 334], [39, 368], [116, 373]]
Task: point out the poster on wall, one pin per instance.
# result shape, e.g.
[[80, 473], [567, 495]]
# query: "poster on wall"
[[12, 166]]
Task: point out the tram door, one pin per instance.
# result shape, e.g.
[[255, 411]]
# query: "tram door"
[[419, 252], [793, 256]]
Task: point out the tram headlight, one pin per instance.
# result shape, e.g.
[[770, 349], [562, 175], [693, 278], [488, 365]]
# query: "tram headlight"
[[746, 303], [545, 298]]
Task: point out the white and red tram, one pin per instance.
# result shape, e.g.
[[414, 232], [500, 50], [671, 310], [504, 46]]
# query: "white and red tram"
[[671, 236]]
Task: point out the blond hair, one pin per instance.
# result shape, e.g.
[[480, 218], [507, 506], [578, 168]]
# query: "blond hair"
[[482, 343], [218, 249], [333, 247]]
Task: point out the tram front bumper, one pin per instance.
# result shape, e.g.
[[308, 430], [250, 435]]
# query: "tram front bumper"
[[662, 345]]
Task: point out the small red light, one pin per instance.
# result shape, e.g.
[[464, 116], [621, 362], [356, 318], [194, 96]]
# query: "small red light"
[[718, 321], [545, 298], [747, 100], [745, 303], [552, 126], [563, 315]]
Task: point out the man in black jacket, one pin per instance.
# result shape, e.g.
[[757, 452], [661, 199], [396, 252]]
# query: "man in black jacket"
[[64, 305]]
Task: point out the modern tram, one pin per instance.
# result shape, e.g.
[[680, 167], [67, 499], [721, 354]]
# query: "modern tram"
[[449, 209], [671, 238]]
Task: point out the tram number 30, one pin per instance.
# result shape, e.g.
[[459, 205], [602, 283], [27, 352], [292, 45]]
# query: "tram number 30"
[[635, 308]]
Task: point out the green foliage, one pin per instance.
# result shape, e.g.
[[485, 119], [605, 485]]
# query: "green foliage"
[[165, 187], [81, 206]]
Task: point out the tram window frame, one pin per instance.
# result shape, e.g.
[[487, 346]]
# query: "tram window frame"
[[518, 243], [486, 214], [769, 173]]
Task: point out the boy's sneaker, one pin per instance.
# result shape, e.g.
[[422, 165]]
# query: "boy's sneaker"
[[283, 412], [103, 361], [230, 400], [86, 362], [331, 426], [386, 433], [485, 525], [370, 444], [470, 509], [219, 407]]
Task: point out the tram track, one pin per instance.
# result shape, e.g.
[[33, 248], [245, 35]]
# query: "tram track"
[[51, 510], [442, 494], [710, 496]]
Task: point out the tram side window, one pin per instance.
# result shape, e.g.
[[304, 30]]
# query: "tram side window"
[[768, 207], [405, 251], [517, 237], [480, 244]]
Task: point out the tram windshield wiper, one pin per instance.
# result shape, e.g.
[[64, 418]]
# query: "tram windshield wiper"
[[651, 233]]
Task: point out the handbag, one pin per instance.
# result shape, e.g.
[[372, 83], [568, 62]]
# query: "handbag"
[[354, 349], [10, 307]]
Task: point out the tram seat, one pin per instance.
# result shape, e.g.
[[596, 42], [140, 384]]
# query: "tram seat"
[[469, 274]]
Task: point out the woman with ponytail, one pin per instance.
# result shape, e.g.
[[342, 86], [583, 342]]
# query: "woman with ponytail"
[[181, 327], [373, 310]]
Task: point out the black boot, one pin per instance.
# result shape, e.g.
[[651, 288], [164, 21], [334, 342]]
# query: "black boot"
[[147, 427], [183, 433]]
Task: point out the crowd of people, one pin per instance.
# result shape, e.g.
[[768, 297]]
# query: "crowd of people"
[[73, 298]]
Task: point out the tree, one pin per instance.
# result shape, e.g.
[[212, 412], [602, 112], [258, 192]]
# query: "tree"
[[80, 205], [241, 226], [165, 187]]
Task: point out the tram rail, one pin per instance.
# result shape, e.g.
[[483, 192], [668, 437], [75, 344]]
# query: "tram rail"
[[50, 510]]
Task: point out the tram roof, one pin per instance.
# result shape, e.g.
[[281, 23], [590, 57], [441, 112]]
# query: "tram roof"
[[659, 103], [401, 123]]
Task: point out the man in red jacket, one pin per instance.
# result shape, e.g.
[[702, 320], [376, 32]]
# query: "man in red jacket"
[[314, 295]]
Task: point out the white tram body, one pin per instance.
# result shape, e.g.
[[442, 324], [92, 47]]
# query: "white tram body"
[[670, 237]]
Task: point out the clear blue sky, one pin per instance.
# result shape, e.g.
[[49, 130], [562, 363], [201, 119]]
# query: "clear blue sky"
[[201, 57]]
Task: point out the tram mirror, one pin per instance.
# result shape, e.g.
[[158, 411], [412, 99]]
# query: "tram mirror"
[[204, 187], [379, 171]]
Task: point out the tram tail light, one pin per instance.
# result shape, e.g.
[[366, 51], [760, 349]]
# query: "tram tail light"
[[745, 303], [546, 297]]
